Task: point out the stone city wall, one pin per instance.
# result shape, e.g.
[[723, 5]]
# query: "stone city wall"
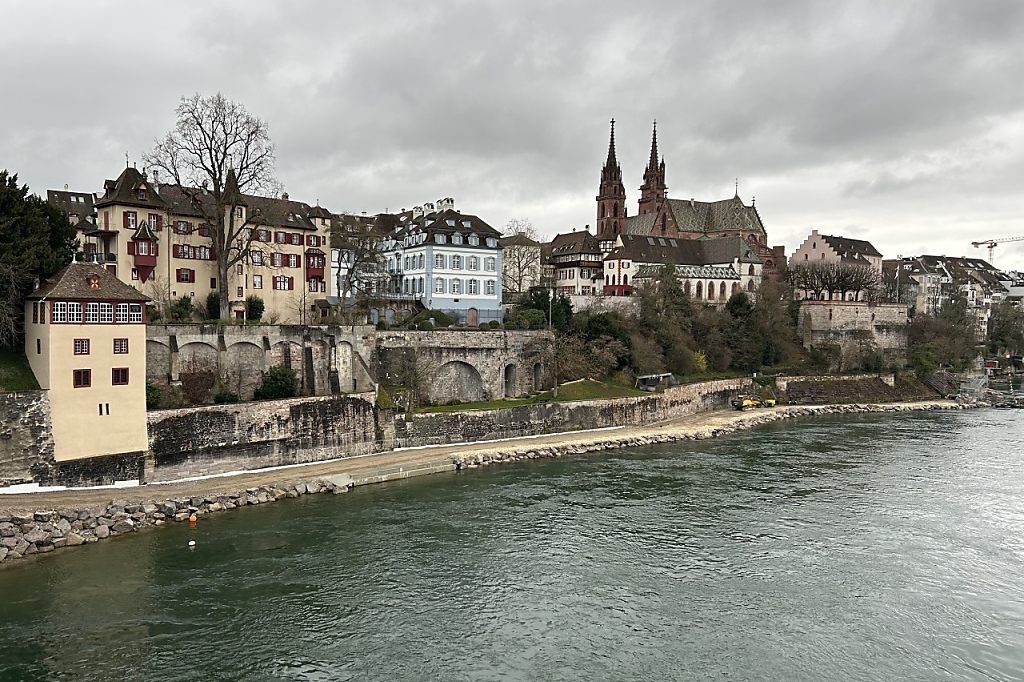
[[243, 436], [858, 328], [327, 360], [528, 420], [466, 366], [26, 443]]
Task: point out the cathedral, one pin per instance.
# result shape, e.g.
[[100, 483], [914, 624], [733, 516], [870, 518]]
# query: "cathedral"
[[661, 216]]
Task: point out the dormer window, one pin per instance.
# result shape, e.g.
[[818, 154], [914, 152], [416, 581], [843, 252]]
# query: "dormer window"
[[141, 193], [291, 217], [439, 238], [466, 223], [456, 238], [451, 222], [474, 240], [492, 242]]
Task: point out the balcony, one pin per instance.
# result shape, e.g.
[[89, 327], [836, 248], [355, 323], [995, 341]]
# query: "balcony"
[[101, 258]]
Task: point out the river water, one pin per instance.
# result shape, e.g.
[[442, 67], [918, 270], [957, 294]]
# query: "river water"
[[870, 547]]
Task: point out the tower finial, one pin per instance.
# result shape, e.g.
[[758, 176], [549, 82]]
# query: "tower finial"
[[611, 146], [737, 194], [653, 164]]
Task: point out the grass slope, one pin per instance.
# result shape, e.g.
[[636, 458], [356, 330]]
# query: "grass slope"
[[15, 374]]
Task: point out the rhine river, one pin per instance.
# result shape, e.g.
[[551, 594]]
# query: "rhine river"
[[871, 547]]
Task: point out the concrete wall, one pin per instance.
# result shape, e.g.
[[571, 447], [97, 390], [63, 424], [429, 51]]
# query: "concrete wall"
[[856, 327], [474, 425], [328, 360], [218, 439]]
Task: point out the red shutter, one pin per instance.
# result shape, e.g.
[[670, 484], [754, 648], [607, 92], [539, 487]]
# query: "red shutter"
[[124, 216], [309, 240], [154, 249], [159, 222], [131, 248], [291, 283], [192, 275]]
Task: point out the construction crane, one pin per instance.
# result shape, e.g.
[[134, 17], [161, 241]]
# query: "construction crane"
[[992, 243]]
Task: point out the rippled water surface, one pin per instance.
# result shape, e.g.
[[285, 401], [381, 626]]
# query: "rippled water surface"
[[855, 548]]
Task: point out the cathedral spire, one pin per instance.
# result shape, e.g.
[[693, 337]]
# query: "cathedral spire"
[[652, 165], [654, 190], [612, 161]]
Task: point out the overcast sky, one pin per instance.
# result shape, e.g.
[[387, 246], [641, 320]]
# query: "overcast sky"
[[897, 122]]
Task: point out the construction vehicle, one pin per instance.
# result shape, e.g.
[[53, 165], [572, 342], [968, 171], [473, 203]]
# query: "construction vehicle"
[[745, 401]]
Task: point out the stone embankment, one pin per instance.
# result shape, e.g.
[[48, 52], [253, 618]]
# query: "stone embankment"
[[27, 534]]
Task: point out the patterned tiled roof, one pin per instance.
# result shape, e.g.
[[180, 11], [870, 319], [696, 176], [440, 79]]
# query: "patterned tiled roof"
[[86, 281]]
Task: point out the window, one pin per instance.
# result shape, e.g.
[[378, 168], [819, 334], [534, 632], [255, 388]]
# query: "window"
[[275, 260], [256, 257], [81, 346], [456, 238], [153, 220], [141, 193], [439, 285], [489, 287], [213, 282], [239, 292], [119, 376], [472, 286], [473, 263], [439, 261], [282, 283], [257, 281], [122, 312], [239, 269], [279, 237], [490, 264], [130, 220], [263, 235], [474, 240], [456, 286], [120, 346], [439, 238], [106, 312], [294, 260], [82, 378], [492, 242], [314, 284], [185, 275], [92, 312], [135, 314], [296, 239], [456, 262], [39, 347], [135, 273], [74, 312], [181, 227], [422, 261], [60, 311], [238, 211]]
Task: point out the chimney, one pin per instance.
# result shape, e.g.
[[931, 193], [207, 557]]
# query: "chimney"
[[417, 211], [284, 195], [156, 179], [586, 228], [428, 207], [65, 187]]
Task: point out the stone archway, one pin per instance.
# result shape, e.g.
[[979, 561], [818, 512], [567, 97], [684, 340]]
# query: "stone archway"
[[457, 381], [510, 381]]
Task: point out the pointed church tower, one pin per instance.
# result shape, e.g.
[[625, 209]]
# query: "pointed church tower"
[[653, 191], [611, 197]]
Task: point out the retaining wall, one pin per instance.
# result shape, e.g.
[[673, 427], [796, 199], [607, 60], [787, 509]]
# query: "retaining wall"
[[475, 425], [222, 438], [26, 441]]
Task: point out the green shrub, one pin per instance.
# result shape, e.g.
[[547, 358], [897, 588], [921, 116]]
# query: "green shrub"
[[173, 398], [494, 324], [278, 382], [253, 308], [197, 385], [213, 306], [384, 399], [224, 396], [154, 396], [181, 310]]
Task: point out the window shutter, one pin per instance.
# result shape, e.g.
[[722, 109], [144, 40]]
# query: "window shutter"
[[131, 248], [159, 222], [124, 217], [192, 275], [291, 283]]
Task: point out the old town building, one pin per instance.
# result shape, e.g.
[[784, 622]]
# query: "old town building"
[[85, 340], [572, 262], [824, 248], [158, 239]]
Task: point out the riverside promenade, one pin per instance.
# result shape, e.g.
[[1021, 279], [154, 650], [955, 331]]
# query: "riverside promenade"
[[354, 471]]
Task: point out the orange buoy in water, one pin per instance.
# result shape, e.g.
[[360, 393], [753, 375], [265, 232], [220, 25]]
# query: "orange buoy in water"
[[192, 520]]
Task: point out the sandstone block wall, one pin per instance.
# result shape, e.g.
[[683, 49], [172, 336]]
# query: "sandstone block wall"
[[26, 443], [218, 439], [528, 420], [857, 327]]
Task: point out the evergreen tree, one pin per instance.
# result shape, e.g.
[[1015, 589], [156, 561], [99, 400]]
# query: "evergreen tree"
[[36, 240]]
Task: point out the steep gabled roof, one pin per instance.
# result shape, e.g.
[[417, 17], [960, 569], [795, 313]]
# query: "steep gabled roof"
[[714, 216], [125, 191], [851, 249], [518, 239], [72, 203], [639, 224], [662, 250], [572, 243], [87, 281]]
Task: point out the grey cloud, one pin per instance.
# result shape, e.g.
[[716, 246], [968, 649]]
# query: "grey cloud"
[[900, 121]]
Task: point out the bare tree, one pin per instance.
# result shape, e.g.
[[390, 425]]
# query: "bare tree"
[[360, 270], [520, 255], [217, 151]]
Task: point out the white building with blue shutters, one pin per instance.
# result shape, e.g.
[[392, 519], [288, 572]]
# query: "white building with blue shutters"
[[448, 260]]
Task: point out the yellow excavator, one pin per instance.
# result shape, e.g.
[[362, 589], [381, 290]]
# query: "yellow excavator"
[[746, 401]]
